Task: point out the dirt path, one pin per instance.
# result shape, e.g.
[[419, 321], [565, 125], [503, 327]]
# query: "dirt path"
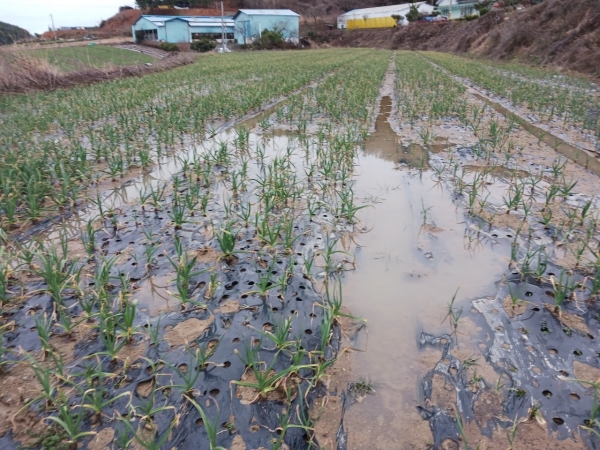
[[408, 268], [157, 53]]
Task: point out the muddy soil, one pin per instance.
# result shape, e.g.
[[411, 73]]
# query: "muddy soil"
[[418, 247]]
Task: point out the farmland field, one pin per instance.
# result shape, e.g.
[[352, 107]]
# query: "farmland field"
[[290, 250], [72, 58]]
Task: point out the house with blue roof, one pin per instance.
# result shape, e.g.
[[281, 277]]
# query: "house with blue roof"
[[187, 29], [249, 24], [245, 26]]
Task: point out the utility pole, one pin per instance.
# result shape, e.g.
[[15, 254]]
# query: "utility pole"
[[224, 48], [53, 29]]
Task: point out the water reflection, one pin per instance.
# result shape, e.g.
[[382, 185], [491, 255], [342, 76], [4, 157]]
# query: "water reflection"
[[384, 142]]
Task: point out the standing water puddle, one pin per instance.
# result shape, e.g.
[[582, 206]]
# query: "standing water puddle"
[[409, 265], [160, 175], [384, 143]]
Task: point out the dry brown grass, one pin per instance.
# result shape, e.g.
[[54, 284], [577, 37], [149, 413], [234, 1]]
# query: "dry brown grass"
[[559, 33], [20, 72]]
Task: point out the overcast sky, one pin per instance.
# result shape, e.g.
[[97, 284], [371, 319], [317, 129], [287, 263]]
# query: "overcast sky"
[[34, 15]]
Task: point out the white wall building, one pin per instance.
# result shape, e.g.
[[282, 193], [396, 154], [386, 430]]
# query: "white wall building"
[[380, 17]]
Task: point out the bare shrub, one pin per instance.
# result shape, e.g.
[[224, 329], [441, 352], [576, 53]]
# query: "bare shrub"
[[20, 72]]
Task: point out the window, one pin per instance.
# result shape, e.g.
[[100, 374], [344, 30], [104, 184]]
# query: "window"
[[150, 35], [467, 11], [215, 36]]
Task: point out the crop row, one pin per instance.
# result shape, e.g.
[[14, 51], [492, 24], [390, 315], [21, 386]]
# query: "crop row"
[[426, 92], [540, 74], [268, 209], [497, 184], [54, 146], [572, 107]]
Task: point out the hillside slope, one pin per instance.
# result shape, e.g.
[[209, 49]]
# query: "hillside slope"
[[11, 33], [560, 33], [117, 25]]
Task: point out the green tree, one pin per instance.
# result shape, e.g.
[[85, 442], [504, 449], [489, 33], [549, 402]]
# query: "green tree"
[[270, 38], [397, 18], [483, 7], [169, 47], [203, 45], [145, 4], [413, 14]]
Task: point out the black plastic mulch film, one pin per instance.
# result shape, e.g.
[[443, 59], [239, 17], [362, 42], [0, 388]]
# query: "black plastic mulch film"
[[231, 332], [534, 353], [514, 346]]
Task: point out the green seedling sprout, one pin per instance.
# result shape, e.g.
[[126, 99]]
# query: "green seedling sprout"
[[146, 408], [123, 437], [88, 239], [280, 333], [65, 320], [333, 302], [594, 421], [250, 353], [265, 283], [128, 329], [4, 350], [153, 330], [424, 212], [95, 396], [213, 285], [511, 433], [330, 265], [178, 214], [514, 298], [70, 422], [210, 427], [46, 380], [55, 270], [227, 236], [109, 334], [267, 380], [463, 435], [469, 362], [203, 353], [184, 271], [326, 330], [151, 442], [43, 325], [453, 314], [268, 233], [563, 288], [189, 374], [306, 420], [102, 275]]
